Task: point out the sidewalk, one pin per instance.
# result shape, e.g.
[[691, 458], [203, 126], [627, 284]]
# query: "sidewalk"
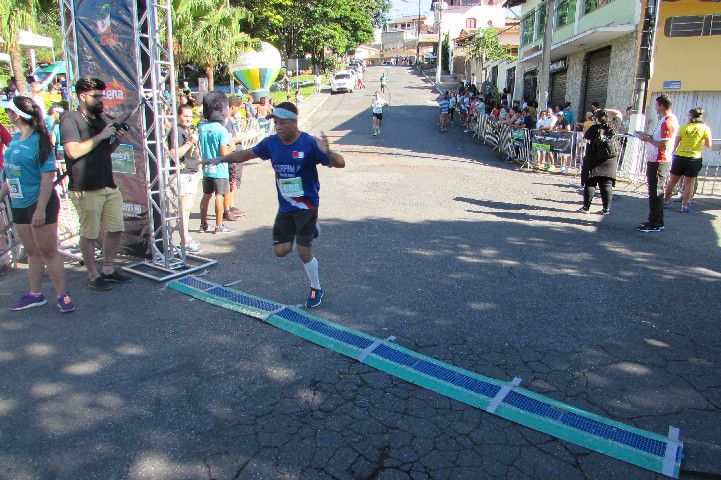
[[310, 105]]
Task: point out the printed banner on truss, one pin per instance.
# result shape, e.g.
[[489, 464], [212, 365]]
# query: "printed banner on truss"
[[106, 48]]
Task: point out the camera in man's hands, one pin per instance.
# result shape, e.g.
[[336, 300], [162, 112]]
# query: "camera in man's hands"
[[121, 126]]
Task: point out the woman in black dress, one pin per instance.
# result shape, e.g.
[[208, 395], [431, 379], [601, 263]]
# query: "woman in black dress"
[[599, 164]]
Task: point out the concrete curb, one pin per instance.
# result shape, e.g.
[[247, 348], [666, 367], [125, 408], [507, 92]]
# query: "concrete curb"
[[306, 118]]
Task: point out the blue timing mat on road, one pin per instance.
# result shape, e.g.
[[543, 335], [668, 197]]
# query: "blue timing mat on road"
[[654, 452]]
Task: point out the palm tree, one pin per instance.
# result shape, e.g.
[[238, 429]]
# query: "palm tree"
[[206, 33], [16, 15]]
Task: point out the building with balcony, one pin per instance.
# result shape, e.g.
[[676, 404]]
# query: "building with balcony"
[[460, 15], [593, 56]]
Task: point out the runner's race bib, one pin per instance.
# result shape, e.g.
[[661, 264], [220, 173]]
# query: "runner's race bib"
[[291, 187], [16, 190]]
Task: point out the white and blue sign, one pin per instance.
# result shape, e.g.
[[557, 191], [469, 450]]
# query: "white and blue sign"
[[672, 85]]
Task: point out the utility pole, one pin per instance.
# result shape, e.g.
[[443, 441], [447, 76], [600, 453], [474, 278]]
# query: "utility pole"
[[439, 6], [545, 67], [418, 34]]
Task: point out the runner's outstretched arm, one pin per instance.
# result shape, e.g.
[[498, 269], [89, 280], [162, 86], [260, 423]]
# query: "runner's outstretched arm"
[[234, 157], [336, 159]]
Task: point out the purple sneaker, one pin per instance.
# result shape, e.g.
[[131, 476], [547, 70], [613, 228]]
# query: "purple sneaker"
[[29, 300], [65, 304]]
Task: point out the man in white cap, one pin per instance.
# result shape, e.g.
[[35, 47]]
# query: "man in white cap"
[[294, 156]]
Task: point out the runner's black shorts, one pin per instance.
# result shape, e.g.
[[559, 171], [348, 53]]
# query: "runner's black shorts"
[[299, 225], [686, 166], [24, 216], [218, 186], [379, 116]]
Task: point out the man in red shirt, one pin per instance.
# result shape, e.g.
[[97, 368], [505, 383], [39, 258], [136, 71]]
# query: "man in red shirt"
[[659, 148]]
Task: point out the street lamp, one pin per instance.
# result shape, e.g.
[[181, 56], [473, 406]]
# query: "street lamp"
[[439, 7]]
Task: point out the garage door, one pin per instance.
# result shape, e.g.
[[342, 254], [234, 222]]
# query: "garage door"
[[597, 66], [558, 89]]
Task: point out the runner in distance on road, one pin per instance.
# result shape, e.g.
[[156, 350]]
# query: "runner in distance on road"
[[377, 105], [294, 156]]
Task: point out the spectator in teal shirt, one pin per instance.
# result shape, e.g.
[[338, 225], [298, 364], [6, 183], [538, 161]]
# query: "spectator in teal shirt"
[[569, 116], [52, 123], [215, 141], [29, 173]]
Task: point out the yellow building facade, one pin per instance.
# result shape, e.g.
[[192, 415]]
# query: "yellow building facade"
[[687, 58]]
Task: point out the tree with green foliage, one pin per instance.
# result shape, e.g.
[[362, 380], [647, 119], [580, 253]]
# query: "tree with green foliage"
[[16, 15], [207, 34], [312, 26], [485, 46]]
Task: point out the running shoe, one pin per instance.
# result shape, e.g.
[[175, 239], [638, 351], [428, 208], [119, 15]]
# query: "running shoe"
[[685, 209], [649, 228], [603, 211], [315, 296], [236, 212], [193, 247], [99, 284], [205, 228], [375, 134], [29, 300], [223, 229], [116, 277], [65, 304], [229, 216], [583, 210]]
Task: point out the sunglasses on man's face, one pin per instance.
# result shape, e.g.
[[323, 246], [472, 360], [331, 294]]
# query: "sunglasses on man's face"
[[94, 96]]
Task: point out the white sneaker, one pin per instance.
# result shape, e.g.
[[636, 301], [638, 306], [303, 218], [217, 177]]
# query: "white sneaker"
[[193, 247]]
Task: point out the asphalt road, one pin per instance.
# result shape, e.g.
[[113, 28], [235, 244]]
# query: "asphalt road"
[[425, 236]]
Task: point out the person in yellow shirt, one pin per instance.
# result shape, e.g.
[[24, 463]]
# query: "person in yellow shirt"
[[687, 161]]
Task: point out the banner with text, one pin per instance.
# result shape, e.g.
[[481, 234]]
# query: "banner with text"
[[545, 141], [106, 50]]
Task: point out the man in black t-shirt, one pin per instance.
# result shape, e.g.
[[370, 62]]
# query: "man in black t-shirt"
[[188, 152], [89, 140]]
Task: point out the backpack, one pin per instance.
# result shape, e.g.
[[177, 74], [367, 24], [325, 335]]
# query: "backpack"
[[604, 143]]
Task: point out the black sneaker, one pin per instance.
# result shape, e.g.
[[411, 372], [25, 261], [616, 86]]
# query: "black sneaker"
[[99, 284], [647, 228], [116, 277]]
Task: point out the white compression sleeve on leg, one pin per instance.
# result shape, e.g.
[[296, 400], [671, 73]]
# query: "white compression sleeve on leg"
[[311, 268]]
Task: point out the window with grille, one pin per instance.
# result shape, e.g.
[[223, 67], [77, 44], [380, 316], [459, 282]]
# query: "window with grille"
[[527, 28], [565, 12], [591, 5], [693, 25], [470, 23]]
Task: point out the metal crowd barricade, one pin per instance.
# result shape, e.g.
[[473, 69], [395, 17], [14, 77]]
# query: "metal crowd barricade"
[[10, 246], [709, 182], [632, 160]]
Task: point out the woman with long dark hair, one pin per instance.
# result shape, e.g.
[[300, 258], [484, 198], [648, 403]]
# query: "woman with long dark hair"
[[598, 169], [28, 178], [687, 162]]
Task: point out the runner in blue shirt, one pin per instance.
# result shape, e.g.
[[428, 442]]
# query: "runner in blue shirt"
[[294, 156], [28, 177]]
